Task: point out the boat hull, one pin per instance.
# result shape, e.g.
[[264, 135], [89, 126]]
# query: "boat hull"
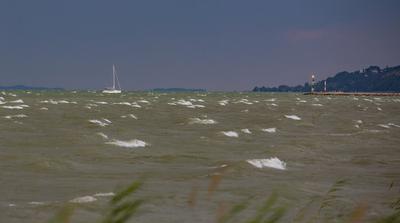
[[112, 91]]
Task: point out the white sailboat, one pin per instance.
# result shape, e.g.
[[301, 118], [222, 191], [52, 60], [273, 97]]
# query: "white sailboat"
[[113, 89]]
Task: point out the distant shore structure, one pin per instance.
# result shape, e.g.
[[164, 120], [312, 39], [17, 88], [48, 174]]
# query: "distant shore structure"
[[113, 89], [312, 82], [338, 93]]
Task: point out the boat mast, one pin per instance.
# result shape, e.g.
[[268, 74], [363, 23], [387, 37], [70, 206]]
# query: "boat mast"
[[113, 77]]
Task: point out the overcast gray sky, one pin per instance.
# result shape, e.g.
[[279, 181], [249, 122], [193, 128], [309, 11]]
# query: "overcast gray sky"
[[212, 44]]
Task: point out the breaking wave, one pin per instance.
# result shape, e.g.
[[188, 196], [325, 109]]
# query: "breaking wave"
[[202, 121], [294, 117], [271, 163], [230, 134], [135, 143]]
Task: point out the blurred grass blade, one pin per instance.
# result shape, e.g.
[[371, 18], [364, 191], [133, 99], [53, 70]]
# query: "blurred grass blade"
[[126, 192], [276, 216], [63, 216], [265, 209], [236, 209]]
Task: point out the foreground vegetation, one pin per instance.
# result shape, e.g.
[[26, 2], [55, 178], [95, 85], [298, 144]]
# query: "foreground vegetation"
[[123, 206]]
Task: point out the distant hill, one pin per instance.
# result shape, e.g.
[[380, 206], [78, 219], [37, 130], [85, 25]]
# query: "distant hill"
[[371, 79], [177, 90], [23, 87]]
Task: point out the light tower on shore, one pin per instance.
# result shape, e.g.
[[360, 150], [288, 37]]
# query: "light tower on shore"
[[312, 83], [324, 85]]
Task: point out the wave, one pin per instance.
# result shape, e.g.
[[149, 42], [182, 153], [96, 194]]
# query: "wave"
[[202, 121], [271, 163], [18, 107], [109, 194], [103, 123], [129, 115], [20, 101], [230, 133], [392, 124], [223, 102], [144, 101], [196, 106], [51, 101], [101, 102], [183, 102], [102, 135], [84, 199], [37, 203], [384, 126], [15, 116], [247, 131], [128, 144], [294, 117], [270, 130]]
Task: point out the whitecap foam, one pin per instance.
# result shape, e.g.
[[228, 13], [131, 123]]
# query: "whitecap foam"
[[244, 101], [98, 122], [379, 109], [183, 102], [202, 121], [44, 108], [122, 103], [109, 194], [19, 101], [84, 199], [317, 105], [101, 102], [135, 105], [230, 133], [106, 120], [294, 117], [392, 124], [196, 106], [17, 107], [384, 126], [270, 130], [271, 163], [37, 203], [15, 116], [102, 135], [128, 144], [223, 102], [144, 101], [129, 115], [247, 131]]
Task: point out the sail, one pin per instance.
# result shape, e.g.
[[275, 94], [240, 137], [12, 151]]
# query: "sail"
[[113, 89]]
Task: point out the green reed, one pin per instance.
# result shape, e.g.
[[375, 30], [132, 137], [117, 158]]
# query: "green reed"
[[123, 207]]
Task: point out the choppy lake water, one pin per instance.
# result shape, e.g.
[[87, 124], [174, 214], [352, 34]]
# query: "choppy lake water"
[[58, 148]]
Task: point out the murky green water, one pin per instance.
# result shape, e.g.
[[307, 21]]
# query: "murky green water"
[[69, 145]]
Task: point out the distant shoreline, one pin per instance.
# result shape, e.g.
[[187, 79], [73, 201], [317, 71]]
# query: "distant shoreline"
[[333, 93], [25, 88]]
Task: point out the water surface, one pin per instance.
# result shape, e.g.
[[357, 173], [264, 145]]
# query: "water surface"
[[60, 146]]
